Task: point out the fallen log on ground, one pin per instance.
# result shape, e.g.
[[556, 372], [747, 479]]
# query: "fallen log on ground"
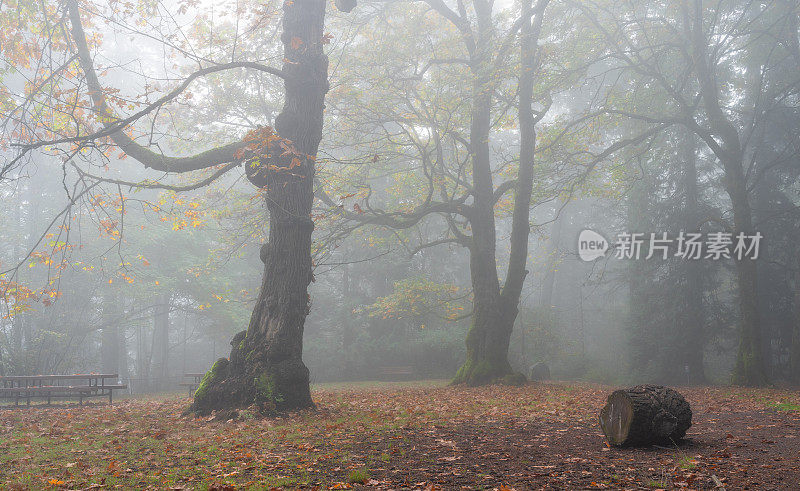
[[645, 415]]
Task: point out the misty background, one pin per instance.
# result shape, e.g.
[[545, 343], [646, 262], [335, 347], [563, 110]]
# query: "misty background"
[[153, 284]]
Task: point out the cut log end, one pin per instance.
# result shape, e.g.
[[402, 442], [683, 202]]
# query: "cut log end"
[[616, 417], [645, 415]]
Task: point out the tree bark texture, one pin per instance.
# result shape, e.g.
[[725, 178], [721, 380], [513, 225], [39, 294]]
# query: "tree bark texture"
[[645, 415], [495, 309], [265, 366]]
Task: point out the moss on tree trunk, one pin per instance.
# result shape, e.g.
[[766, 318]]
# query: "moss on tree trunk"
[[265, 367], [487, 354], [496, 308]]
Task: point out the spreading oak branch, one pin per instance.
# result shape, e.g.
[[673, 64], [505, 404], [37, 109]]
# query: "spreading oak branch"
[[114, 127]]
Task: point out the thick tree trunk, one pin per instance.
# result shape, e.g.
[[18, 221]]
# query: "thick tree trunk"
[[495, 310], [266, 366], [694, 335], [775, 299], [490, 333], [645, 415], [487, 345], [749, 368], [640, 339]]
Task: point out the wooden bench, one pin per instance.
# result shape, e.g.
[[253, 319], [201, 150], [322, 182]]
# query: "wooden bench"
[[48, 387], [395, 373], [194, 384]]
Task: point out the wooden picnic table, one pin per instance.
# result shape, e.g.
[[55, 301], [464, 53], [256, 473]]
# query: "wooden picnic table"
[[28, 386]]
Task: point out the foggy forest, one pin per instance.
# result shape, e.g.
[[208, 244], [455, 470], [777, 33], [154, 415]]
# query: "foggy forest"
[[399, 244]]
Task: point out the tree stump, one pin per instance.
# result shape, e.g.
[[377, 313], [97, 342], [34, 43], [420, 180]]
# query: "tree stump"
[[645, 415]]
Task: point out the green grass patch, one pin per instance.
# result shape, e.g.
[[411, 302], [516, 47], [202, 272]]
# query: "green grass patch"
[[686, 463], [784, 406], [358, 476]]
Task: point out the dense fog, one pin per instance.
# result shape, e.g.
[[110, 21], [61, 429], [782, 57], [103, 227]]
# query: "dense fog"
[[671, 120]]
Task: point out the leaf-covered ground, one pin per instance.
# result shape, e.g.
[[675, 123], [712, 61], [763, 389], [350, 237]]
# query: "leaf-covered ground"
[[404, 436]]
